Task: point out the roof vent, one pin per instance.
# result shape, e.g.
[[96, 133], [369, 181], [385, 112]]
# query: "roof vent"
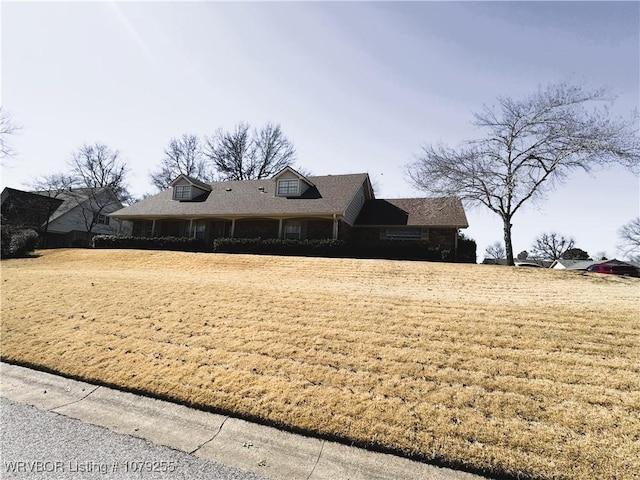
[[261, 189], [228, 189]]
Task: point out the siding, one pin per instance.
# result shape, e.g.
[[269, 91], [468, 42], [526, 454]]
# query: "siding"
[[353, 210], [75, 219]]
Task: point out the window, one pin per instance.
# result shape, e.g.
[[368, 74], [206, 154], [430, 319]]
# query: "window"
[[287, 187], [100, 219], [402, 234], [182, 192], [292, 231]]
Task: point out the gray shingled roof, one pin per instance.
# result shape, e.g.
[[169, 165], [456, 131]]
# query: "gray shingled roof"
[[332, 194], [70, 198], [433, 212]]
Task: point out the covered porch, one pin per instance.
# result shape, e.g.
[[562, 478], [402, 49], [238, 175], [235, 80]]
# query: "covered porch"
[[208, 229]]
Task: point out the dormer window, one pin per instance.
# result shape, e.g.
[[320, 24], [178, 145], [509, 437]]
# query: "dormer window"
[[288, 187], [188, 189], [182, 192], [290, 183]]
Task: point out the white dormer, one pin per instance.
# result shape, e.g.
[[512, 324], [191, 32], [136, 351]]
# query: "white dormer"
[[186, 188], [290, 183]]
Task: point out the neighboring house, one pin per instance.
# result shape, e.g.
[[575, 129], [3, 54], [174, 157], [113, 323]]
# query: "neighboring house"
[[562, 264], [518, 263], [84, 212], [27, 210], [293, 206], [585, 264]]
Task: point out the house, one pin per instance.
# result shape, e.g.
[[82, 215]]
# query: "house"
[[293, 206], [562, 264], [22, 209], [63, 218], [585, 264]]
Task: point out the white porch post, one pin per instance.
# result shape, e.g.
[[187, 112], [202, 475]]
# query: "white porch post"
[[119, 229], [335, 227], [153, 228], [192, 233], [280, 229], [233, 227]]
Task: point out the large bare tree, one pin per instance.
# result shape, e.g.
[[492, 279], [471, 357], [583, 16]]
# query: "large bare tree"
[[96, 182], [181, 156], [96, 165], [551, 246], [245, 154], [629, 235], [529, 146]]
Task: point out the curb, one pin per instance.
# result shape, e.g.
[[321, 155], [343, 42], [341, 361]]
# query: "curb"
[[260, 449]]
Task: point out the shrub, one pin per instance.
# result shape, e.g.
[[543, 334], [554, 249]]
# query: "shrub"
[[183, 244], [325, 248], [401, 250], [466, 250], [18, 242]]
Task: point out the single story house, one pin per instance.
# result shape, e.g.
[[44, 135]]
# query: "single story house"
[[293, 206]]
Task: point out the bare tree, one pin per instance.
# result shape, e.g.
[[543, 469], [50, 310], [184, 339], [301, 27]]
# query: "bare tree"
[[95, 166], [53, 185], [273, 151], [629, 235], [7, 128], [243, 154], [495, 251], [181, 156], [530, 146], [96, 183], [551, 246], [101, 175]]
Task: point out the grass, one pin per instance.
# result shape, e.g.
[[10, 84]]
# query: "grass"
[[527, 373]]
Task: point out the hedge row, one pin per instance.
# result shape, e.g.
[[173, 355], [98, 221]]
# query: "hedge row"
[[322, 248], [397, 250], [182, 244], [403, 250]]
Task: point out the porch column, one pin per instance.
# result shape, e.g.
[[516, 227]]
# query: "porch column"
[[280, 229], [455, 248], [119, 229], [192, 234], [153, 227], [335, 227], [233, 227]]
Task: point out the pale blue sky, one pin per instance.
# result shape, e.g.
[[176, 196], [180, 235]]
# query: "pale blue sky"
[[358, 86]]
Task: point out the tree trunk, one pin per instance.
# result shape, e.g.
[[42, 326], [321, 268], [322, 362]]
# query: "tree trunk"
[[508, 246]]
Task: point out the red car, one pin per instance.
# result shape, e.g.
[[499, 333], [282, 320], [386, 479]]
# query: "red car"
[[614, 268]]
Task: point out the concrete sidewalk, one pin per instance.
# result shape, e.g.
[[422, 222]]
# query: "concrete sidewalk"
[[237, 443]]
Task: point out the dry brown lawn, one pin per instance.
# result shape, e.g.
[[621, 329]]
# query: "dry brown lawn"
[[524, 372]]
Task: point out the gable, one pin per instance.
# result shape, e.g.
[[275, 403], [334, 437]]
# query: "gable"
[[186, 189], [290, 183]]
